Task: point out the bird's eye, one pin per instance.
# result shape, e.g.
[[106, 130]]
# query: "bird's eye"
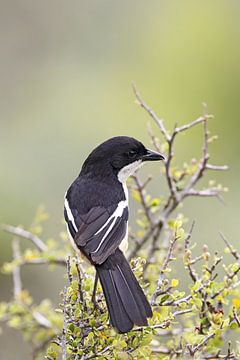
[[132, 153]]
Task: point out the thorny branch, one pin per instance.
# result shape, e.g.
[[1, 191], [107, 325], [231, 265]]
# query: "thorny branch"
[[176, 193]]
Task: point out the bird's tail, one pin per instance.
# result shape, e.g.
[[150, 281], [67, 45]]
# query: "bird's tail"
[[126, 302]]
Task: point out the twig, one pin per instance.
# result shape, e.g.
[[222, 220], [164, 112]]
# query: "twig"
[[153, 138], [181, 312], [155, 239], [26, 235], [17, 282], [194, 349], [64, 332], [170, 181], [141, 242], [70, 277], [202, 165], [53, 261], [100, 353], [203, 193], [217, 167], [230, 276], [199, 120], [166, 323], [187, 240], [230, 247], [186, 298], [189, 263], [42, 346], [140, 189], [80, 283], [236, 316], [177, 195], [213, 267], [42, 320], [168, 259], [158, 121]]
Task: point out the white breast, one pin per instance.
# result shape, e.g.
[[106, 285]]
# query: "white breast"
[[123, 174], [128, 170]]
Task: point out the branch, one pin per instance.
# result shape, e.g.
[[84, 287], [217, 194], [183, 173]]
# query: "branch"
[[191, 270], [217, 167], [140, 189], [171, 183], [227, 286], [64, 332], [186, 298], [55, 261], [17, 282], [236, 317], [168, 259], [230, 276], [166, 323], [26, 235], [158, 121], [230, 354], [234, 252], [203, 193], [100, 353], [78, 267], [140, 242], [194, 349], [202, 165], [177, 195]]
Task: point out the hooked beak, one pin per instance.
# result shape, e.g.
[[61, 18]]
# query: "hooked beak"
[[152, 156]]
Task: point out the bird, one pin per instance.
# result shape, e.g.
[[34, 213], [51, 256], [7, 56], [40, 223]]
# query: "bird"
[[96, 214]]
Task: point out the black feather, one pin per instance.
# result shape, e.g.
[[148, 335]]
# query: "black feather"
[[118, 316], [126, 302]]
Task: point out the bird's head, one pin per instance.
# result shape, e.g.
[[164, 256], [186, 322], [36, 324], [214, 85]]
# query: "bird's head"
[[121, 155]]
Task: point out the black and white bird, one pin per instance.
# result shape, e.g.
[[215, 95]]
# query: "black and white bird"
[[96, 212]]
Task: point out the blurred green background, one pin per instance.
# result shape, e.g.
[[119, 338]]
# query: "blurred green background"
[[66, 71]]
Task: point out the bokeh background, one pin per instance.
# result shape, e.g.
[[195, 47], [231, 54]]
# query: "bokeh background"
[[66, 71]]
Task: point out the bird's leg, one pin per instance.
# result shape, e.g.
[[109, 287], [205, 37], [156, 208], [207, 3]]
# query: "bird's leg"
[[95, 290]]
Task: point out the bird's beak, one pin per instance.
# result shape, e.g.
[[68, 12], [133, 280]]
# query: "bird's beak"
[[152, 156]]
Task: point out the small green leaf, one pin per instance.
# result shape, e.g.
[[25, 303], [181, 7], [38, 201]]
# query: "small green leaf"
[[164, 298]]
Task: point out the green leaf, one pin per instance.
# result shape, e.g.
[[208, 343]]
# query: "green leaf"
[[164, 298]]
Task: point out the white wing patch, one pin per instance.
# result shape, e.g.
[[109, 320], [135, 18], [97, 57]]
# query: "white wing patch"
[[117, 213], [69, 214]]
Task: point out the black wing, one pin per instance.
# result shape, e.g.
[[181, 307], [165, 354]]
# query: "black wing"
[[99, 232]]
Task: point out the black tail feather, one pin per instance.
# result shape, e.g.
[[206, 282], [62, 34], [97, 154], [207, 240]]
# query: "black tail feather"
[[126, 302]]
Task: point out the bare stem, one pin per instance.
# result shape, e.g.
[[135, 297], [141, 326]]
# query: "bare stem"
[[26, 235], [64, 333], [17, 282]]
